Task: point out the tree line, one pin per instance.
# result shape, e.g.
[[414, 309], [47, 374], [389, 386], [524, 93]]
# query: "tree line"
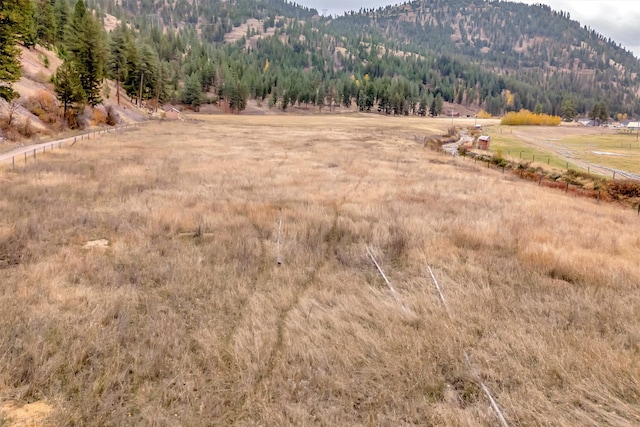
[[377, 60]]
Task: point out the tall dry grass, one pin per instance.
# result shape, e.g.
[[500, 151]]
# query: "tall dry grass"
[[187, 319]]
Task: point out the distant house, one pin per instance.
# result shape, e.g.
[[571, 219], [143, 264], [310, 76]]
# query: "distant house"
[[483, 142]]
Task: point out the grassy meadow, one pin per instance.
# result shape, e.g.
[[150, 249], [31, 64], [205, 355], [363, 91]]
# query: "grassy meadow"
[[178, 312], [616, 150], [514, 149], [600, 146]]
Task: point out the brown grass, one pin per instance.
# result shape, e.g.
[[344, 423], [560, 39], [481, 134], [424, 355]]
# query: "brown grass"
[[185, 318]]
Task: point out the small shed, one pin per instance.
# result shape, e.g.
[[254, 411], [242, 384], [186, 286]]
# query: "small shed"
[[172, 114], [483, 142]]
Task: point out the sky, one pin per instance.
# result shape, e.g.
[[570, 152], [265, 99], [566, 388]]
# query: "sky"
[[617, 19]]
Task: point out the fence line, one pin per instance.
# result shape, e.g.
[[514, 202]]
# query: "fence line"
[[32, 150], [564, 185], [591, 167]]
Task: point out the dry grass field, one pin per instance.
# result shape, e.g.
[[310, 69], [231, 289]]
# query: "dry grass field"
[[185, 318]]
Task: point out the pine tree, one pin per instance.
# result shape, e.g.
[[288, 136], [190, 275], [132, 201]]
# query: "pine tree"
[[600, 112], [61, 11], [149, 65], [16, 25], [131, 79], [45, 23], [238, 97], [116, 67], [568, 109], [68, 86], [191, 94], [86, 51]]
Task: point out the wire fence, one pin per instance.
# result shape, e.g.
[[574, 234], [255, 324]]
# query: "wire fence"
[[30, 153], [564, 183]]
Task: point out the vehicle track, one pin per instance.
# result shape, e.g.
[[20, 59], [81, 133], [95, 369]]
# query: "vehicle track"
[[571, 156]]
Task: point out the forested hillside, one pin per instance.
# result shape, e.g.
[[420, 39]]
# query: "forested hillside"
[[406, 59]]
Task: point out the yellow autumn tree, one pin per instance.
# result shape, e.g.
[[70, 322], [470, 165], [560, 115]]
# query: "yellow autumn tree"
[[527, 118], [483, 115]]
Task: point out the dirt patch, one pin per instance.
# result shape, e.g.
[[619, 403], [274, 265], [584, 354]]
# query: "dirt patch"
[[100, 244], [27, 415], [110, 22]]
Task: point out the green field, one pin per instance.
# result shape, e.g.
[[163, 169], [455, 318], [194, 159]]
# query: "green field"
[[619, 151], [513, 148], [598, 146]]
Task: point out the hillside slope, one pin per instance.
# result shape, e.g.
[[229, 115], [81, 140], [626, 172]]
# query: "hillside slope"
[[34, 113]]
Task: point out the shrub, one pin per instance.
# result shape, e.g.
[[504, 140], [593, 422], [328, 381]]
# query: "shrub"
[[527, 118], [483, 115], [27, 129], [623, 189], [112, 116], [98, 116], [41, 104]]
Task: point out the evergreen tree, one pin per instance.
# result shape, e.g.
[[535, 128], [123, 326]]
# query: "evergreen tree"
[[191, 94], [45, 23], [238, 97], [568, 109], [149, 65], [16, 25], [116, 66], [85, 48], [437, 105], [538, 109], [61, 14], [320, 97], [131, 78], [68, 86], [600, 112]]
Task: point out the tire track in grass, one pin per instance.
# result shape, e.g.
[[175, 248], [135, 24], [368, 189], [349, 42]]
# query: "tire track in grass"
[[278, 348], [227, 341], [233, 404]]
